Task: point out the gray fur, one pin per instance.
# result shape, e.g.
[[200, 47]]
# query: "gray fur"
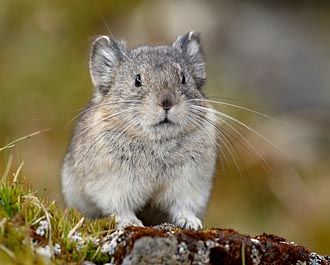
[[125, 157]]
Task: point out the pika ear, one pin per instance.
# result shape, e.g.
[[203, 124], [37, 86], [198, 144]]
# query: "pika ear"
[[105, 55], [190, 45]]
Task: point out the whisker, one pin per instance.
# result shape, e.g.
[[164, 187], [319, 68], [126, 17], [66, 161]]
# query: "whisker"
[[229, 147], [265, 164], [231, 99], [123, 130], [195, 120], [225, 134], [199, 121], [101, 104], [225, 144], [105, 119], [99, 136], [116, 135], [242, 108], [243, 125]]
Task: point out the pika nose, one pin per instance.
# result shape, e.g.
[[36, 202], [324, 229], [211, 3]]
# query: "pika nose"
[[167, 104]]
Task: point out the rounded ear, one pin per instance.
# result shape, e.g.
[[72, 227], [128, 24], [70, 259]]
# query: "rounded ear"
[[190, 46], [105, 55]]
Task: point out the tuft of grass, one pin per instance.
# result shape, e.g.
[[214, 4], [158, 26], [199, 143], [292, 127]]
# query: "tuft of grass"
[[34, 230]]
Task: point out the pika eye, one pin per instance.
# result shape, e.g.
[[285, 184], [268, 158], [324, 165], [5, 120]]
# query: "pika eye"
[[138, 80], [183, 78]]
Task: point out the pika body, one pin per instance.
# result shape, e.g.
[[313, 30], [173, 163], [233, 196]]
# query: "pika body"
[[144, 149]]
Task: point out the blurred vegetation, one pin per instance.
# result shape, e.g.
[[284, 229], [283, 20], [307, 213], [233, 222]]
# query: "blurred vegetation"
[[276, 54]]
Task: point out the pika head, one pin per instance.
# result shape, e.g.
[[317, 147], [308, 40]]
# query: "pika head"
[[148, 87]]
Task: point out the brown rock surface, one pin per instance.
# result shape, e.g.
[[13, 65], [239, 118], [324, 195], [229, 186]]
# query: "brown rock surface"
[[167, 244]]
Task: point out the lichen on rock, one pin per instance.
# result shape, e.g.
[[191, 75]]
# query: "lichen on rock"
[[167, 244]]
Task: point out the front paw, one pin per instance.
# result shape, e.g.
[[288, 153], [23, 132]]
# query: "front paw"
[[188, 222], [125, 222]]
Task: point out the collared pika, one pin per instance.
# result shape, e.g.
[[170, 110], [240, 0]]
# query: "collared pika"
[[144, 149]]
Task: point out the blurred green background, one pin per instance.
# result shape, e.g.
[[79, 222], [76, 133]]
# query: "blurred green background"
[[271, 56]]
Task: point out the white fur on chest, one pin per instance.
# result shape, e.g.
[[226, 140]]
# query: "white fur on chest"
[[158, 173]]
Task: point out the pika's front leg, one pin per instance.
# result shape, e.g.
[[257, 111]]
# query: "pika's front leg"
[[118, 197], [188, 196]]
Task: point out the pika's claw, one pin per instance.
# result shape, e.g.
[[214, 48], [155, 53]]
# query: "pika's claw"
[[188, 222], [122, 223]]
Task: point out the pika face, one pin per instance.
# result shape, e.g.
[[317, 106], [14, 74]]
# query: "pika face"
[[144, 149], [155, 83]]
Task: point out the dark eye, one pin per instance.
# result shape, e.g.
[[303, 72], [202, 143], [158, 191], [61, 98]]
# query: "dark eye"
[[138, 80], [183, 78]]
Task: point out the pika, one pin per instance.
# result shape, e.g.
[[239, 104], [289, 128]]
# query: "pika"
[[141, 151]]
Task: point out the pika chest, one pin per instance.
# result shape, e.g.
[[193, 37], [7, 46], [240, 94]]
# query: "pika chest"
[[152, 156]]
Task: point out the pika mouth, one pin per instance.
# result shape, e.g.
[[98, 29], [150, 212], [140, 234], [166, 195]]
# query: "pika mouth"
[[165, 121]]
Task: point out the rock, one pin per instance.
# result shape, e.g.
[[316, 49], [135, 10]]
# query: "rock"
[[148, 250], [167, 244]]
